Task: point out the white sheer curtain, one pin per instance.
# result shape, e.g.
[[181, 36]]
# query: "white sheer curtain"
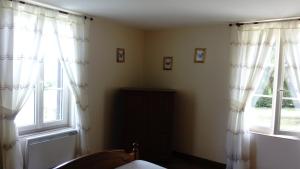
[[20, 34], [250, 46], [21, 29], [72, 35], [290, 46]]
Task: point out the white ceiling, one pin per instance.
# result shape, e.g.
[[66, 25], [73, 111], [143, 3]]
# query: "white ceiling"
[[152, 14]]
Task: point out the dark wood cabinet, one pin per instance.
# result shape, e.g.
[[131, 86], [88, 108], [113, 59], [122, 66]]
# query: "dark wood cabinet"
[[147, 117]]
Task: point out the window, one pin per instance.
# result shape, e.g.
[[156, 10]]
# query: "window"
[[51, 103], [274, 107], [48, 105]]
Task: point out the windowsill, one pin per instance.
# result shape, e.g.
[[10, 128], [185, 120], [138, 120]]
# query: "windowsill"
[[297, 138], [52, 132]]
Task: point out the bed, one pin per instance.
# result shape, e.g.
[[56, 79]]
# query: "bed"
[[140, 164], [116, 159]]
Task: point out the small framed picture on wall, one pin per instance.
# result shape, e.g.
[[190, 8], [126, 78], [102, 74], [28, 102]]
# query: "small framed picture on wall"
[[167, 62], [200, 54], [120, 55]]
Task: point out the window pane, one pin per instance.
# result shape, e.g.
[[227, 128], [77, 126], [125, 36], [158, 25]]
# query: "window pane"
[[290, 106], [52, 87], [51, 73], [260, 112], [259, 109], [52, 105], [26, 115], [290, 115]]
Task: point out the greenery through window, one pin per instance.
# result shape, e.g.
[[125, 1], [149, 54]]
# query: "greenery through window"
[[275, 103], [268, 90]]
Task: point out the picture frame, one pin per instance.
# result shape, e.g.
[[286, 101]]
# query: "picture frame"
[[167, 62], [120, 55], [200, 54]]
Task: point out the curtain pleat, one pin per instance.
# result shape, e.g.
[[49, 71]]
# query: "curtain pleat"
[[291, 52], [21, 30], [251, 45], [19, 67], [249, 50], [75, 65]]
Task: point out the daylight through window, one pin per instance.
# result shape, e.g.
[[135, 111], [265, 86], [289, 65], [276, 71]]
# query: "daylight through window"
[[274, 106], [49, 106]]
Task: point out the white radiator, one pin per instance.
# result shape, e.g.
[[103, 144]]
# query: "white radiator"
[[48, 151]]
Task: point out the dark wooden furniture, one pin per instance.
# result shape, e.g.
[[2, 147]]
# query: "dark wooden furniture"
[[101, 160], [146, 118]]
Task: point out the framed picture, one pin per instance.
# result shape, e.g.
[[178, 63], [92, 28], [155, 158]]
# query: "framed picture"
[[120, 55], [167, 63], [200, 54]]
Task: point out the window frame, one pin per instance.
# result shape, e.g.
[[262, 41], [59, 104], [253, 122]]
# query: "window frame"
[[277, 98], [66, 104]]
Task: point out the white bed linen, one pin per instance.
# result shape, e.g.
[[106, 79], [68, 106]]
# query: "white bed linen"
[[140, 164]]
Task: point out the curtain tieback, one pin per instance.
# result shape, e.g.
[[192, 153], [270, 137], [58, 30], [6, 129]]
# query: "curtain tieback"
[[9, 146], [7, 114], [238, 109], [241, 109], [84, 128], [82, 107]]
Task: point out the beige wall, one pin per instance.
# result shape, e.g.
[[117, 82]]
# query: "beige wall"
[[200, 123], [105, 75], [201, 131], [202, 106], [201, 119]]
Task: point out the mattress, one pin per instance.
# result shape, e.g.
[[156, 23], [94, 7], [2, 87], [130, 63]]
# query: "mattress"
[[140, 164]]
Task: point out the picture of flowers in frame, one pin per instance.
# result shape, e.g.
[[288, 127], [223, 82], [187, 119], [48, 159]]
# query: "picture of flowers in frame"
[[200, 54], [120, 55], [167, 63]]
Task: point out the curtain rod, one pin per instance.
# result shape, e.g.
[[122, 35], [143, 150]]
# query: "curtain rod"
[[59, 10], [264, 21]]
